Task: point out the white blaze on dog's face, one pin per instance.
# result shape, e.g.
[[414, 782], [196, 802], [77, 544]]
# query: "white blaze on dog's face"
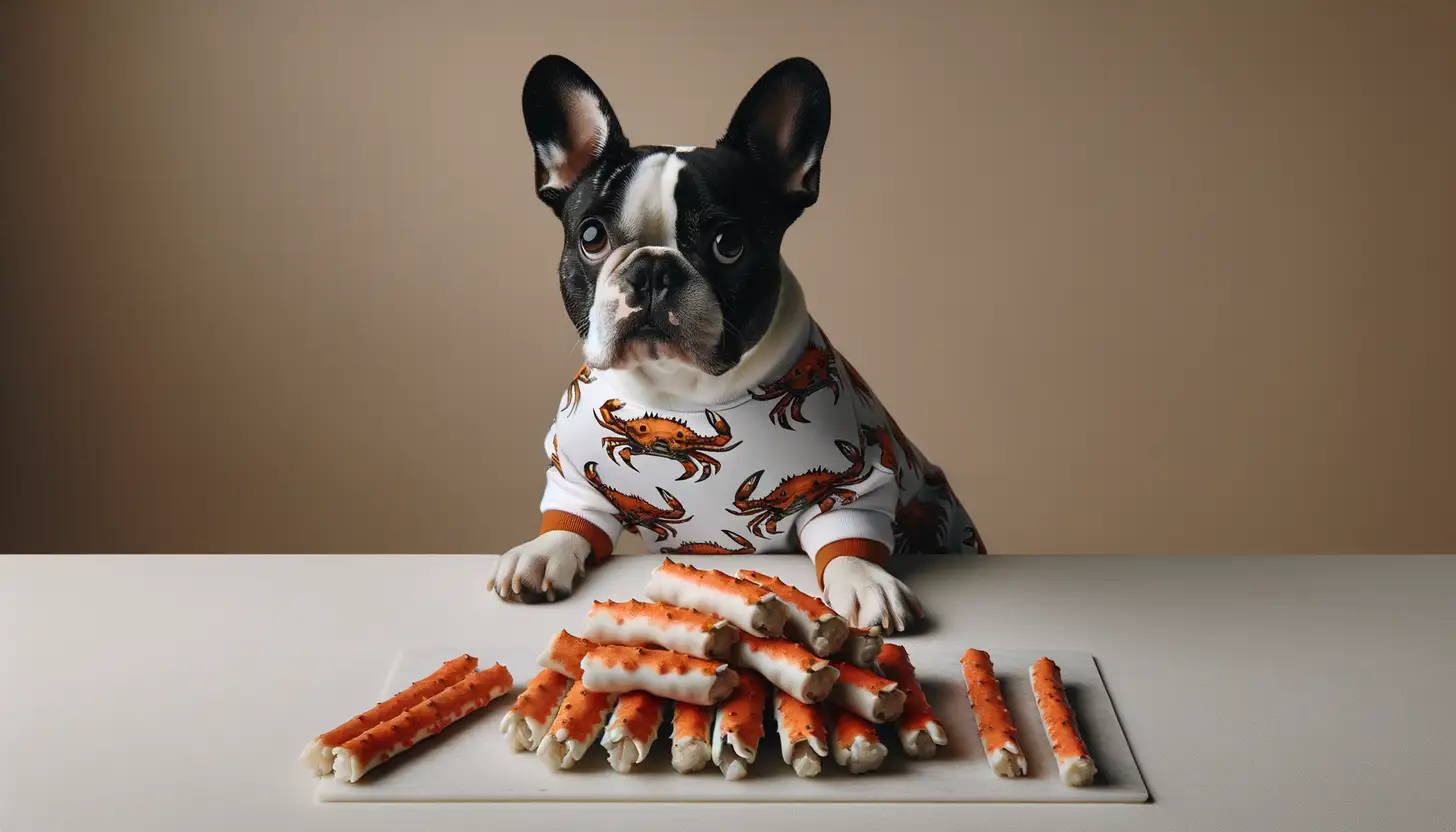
[[671, 253]]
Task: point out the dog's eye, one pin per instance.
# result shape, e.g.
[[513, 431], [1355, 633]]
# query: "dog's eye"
[[728, 245], [593, 237]]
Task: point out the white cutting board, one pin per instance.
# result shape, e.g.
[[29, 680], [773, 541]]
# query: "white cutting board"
[[470, 761]]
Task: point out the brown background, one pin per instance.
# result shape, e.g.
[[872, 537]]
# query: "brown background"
[[1144, 277]]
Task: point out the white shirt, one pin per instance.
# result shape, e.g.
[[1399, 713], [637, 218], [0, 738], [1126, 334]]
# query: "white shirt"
[[789, 466]]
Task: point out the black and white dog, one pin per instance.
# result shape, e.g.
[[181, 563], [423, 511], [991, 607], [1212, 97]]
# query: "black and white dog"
[[720, 417]]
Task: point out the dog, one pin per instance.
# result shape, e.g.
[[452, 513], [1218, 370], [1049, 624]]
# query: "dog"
[[712, 414]]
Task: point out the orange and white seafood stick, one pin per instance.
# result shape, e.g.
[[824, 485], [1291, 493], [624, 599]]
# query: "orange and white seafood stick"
[[527, 722], [318, 755], [582, 716], [993, 720], [862, 647], [745, 604], [810, 621], [866, 695], [692, 726], [638, 624], [786, 665], [357, 756], [801, 734], [920, 732], [632, 729], [738, 726], [621, 669], [856, 745], [564, 654], [1074, 764]]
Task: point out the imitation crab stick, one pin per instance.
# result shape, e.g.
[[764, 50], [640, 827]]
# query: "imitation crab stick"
[[870, 697], [810, 621], [692, 727], [564, 654], [318, 756], [576, 726], [622, 669], [526, 723], [638, 624], [920, 732], [1074, 764], [862, 647], [632, 729], [790, 668], [747, 605], [855, 743], [993, 720], [801, 734], [357, 756], [738, 726]]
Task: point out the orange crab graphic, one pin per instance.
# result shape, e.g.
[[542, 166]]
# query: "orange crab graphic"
[[881, 437], [556, 455], [660, 436], [817, 486], [912, 454], [814, 371], [920, 528], [635, 513], [573, 390], [745, 547]]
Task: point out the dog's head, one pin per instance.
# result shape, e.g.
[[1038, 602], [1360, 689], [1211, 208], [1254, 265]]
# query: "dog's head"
[[672, 253]]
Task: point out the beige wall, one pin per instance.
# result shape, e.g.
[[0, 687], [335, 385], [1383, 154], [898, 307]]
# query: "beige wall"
[[1143, 277]]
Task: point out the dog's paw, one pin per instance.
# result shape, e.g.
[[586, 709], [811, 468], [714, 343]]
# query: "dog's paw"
[[867, 596], [543, 569]]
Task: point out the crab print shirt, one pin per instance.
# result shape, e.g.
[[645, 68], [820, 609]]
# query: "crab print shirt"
[[809, 462]]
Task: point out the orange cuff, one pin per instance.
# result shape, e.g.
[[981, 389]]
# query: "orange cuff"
[[561, 521], [854, 547]]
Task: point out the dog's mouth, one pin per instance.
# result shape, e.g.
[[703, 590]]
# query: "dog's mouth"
[[650, 341]]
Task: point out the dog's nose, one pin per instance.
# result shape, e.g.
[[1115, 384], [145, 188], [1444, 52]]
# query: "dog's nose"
[[651, 280]]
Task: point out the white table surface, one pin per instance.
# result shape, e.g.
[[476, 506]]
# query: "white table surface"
[[175, 692]]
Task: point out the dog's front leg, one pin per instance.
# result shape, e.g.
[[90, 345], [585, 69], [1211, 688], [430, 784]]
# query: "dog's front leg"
[[545, 568], [861, 590]]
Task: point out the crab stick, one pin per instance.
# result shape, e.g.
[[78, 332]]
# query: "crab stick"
[[789, 667], [564, 654], [738, 726], [810, 621], [801, 734], [622, 669], [920, 732], [692, 727], [638, 624], [356, 757], [526, 723], [870, 697], [318, 755], [632, 729], [993, 720], [576, 726], [855, 744], [745, 604], [862, 647], [1074, 764]]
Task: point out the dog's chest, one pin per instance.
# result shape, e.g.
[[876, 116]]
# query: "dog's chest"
[[733, 479]]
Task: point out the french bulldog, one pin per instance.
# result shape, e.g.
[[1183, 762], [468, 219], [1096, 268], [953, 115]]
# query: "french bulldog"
[[711, 413]]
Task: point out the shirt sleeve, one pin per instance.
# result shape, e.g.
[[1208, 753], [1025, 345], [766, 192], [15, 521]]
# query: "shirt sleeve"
[[570, 503], [862, 528]]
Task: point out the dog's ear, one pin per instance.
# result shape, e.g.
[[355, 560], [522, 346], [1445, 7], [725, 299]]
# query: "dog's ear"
[[782, 124], [571, 125]]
